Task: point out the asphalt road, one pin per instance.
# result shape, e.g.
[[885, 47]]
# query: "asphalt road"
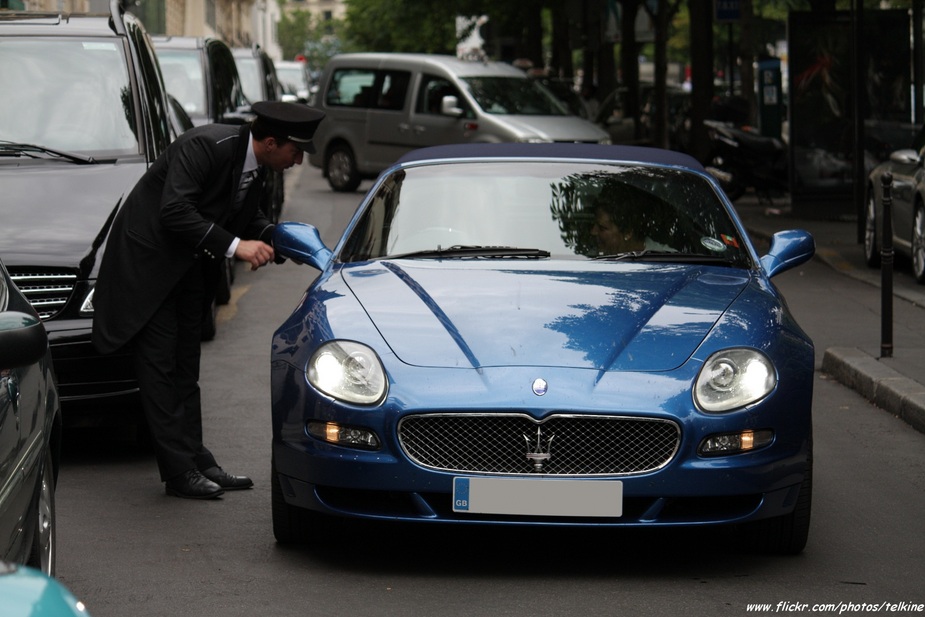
[[126, 549]]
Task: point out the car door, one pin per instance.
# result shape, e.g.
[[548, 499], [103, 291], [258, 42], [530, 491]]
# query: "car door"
[[429, 125], [20, 427], [388, 130]]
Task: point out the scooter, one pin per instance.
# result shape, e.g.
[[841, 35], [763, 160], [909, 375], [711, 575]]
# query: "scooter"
[[741, 159]]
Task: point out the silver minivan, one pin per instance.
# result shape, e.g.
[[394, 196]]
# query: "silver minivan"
[[380, 105]]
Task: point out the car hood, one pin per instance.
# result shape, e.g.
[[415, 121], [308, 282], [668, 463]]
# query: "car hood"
[[53, 212], [597, 315], [554, 128]]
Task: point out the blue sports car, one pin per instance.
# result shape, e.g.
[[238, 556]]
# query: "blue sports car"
[[543, 334]]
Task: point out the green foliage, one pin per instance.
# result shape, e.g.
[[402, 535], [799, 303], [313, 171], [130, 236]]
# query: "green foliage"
[[426, 26], [301, 33]]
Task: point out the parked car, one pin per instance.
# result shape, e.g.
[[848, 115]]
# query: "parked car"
[[83, 113], [907, 167], [30, 434], [381, 105], [28, 592], [614, 116], [258, 78], [258, 74], [474, 351], [201, 73], [295, 81]]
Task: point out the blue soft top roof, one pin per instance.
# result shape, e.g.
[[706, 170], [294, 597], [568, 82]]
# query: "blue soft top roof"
[[637, 154]]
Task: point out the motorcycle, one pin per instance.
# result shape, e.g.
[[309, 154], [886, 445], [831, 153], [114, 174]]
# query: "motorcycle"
[[741, 159]]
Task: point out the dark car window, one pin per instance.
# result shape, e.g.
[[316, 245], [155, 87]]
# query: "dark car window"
[[351, 87], [431, 93], [153, 96], [85, 104], [392, 89], [229, 91], [183, 75]]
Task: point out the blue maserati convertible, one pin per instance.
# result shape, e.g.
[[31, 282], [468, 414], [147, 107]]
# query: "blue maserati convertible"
[[543, 334]]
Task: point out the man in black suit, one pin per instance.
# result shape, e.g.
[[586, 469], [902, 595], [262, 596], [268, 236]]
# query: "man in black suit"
[[196, 205]]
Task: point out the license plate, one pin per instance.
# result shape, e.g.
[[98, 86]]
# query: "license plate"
[[538, 496]]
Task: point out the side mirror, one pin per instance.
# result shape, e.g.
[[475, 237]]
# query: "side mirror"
[[449, 106], [788, 250], [905, 157], [301, 243], [23, 340]]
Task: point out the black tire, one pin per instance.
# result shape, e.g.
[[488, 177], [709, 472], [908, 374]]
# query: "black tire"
[[341, 169], [294, 525], [871, 232], [785, 535], [43, 554], [918, 244]]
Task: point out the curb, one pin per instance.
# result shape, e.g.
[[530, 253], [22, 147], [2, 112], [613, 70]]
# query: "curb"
[[881, 385]]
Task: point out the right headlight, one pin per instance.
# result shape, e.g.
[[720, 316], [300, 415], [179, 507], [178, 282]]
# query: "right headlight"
[[348, 371], [732, 379]]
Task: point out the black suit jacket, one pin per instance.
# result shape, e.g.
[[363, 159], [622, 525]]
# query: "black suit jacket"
[[180, 211]]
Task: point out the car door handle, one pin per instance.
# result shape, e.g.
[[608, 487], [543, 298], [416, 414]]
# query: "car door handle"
[[404, 127]]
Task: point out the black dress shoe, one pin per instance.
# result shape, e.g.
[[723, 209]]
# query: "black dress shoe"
[[226, 480], [193, 485]]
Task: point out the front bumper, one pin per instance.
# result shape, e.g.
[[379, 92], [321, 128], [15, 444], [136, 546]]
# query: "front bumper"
[[89, 383]]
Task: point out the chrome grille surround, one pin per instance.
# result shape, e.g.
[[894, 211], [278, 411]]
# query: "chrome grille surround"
[[47, 290], [498, 443]]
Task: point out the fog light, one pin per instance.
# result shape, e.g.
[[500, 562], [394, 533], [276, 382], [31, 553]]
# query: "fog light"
[[735, 443], [340, 435]]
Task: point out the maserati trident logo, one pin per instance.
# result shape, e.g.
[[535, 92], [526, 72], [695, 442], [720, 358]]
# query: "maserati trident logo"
[[540, 387], [539, 450]]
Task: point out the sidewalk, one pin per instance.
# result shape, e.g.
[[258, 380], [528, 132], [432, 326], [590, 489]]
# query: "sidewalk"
[[896, 384]]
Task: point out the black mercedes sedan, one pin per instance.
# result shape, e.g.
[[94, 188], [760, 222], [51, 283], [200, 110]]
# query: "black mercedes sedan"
[[83, 113]]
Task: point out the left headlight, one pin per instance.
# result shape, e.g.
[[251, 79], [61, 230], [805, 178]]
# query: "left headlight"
[[734, 378], [348, 371]]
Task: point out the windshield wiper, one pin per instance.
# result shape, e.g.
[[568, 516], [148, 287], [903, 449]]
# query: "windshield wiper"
[[11, 148], [461, 251], [671, 256]]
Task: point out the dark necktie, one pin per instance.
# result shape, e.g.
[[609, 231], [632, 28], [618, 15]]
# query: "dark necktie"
[[246, 179]]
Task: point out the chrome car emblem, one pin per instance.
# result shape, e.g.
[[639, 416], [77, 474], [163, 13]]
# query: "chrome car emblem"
[[540, 387], [540, 451]]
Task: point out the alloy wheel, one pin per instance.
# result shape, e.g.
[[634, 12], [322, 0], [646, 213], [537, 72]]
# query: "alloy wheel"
[[871, 244], [918, 244]]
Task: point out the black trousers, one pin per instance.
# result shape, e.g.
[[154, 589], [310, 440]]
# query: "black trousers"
[[167, 352]]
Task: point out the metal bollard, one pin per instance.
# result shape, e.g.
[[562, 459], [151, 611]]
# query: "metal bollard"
[[886, 269]]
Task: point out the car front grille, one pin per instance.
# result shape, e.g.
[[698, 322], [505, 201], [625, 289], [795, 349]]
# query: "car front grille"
[[46, 289], [573, 445]]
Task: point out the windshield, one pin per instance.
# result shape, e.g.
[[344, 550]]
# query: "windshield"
[[69, 95], [250, 78], [182, 71], [572, 210], [513, 95], [292, 79]]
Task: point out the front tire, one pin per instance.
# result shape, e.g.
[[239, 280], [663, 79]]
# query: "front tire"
[[341, 167], [918, 244], [785, 535], [294, 525], [44, 549], [871, 242]]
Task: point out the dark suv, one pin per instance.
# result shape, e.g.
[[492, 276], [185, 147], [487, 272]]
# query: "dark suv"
[[201, 73], [83, 113]]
